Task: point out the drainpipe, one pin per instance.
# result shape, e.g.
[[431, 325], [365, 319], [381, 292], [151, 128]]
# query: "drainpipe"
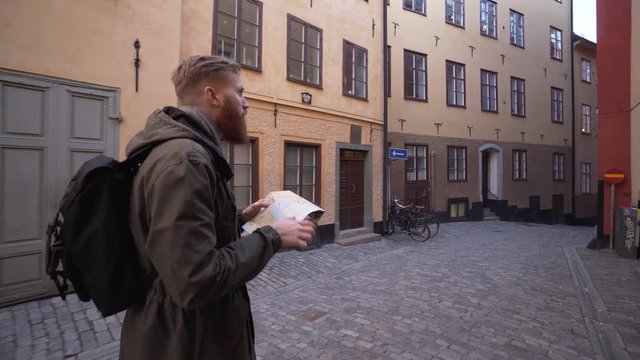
[[385, 141], [573, 123]]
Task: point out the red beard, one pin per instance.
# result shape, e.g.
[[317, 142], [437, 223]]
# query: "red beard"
[[232, 124]]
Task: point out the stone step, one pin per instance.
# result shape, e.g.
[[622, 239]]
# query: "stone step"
[[490, 218], [358, 239]]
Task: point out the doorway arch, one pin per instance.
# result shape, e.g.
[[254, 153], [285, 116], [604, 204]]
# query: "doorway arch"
[[491, 172]]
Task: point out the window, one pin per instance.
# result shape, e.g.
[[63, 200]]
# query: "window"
[[457, 160], [558, 167], [517, 28], [415, 6], [489, 90], [302, 170], [416, 175], [517, 97], [244, 160], [354, 72], [458, 208], [304, 60], [586, 119], [519, 165], [586, 70], [585, 178], [555, 37], [488, 18], [556, 105], [455, 84], [238, 32], [454, 12], [416, 165], [415, 76]]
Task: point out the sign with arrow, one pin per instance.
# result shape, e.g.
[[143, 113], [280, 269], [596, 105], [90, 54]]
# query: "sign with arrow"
[[398, 154]]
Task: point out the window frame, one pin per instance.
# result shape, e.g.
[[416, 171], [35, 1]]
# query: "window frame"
[[414, 69], [354, 47], [255, 169], [585, 178], [524, 97], [588, 118], [557, 114], [587, 80], [517, 14], [318, 167], [558, 43], [239, 20], [453, 11], [520, 173], [489, 87], [558, 166], [424, 6], [291, 18], [457, 201], [456, 79], [495, 18], [456, 169]]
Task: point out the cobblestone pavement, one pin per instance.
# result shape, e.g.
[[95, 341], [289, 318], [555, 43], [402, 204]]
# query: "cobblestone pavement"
[[479, 290]]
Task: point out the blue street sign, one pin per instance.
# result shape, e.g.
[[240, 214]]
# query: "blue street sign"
[[398, 154]]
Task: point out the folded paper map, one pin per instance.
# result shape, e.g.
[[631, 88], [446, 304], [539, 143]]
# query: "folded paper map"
[[283, 204]]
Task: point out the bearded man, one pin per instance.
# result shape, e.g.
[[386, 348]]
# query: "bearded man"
[[186, 227]]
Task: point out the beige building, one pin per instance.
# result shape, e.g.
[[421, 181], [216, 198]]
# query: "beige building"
[[70, 89], [586, 128], [480, 95]]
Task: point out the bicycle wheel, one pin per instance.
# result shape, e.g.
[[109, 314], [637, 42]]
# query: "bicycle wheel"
[[391, 227], [433, 224], [418, 230]]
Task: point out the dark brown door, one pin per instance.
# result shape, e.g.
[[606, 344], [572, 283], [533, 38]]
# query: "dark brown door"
[[416, 186], [351, 189], [485, 177], [557, 210]]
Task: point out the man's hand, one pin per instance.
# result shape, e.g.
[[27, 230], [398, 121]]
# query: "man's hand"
[[294, 233], [254, 209]]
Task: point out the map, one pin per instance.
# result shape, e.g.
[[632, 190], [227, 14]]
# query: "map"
[[283, 204]]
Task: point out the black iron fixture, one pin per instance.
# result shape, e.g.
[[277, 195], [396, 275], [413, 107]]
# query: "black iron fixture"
[[503, 56], [306, 97], [437, 39], [275, 115], [395, 26], [472, 48], [437, 125], [470, 128], [136, 61], [402, 121], [373, 28], [497, 134], [541, 138], [545, 72], [522, 133]]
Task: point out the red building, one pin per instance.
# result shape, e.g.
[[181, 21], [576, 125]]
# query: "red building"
[[618, 100]]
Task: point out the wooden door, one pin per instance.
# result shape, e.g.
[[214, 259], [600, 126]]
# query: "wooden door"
[[557, 210], [351, 189], [485, 178]]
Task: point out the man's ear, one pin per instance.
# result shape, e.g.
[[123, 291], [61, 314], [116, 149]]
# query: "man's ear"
[[212, 96]]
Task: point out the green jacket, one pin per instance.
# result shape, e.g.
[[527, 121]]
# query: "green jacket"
[[186, 227]]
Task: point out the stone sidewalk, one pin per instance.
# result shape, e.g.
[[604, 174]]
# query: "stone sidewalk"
[[479, 290]]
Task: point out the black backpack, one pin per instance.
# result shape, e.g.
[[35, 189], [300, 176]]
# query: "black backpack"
[[89, 241]]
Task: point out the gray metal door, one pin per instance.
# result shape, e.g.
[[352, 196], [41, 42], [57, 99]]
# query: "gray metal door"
[[48, 128]]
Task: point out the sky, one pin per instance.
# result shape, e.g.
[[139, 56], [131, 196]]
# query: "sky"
[[584, 18]]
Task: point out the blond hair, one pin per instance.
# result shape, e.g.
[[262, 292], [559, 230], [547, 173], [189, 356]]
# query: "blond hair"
[[194, 69]]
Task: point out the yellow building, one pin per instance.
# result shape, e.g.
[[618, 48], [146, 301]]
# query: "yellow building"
[[586, 128], [70, 89], [480, 96]]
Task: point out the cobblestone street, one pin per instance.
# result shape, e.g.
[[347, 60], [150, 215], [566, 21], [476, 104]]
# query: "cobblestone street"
[[480, 290]]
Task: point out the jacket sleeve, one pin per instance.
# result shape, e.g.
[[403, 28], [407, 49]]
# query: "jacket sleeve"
[[182, 238]]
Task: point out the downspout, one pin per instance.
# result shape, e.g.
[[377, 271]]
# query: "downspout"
[[385, 141], [573, 124]]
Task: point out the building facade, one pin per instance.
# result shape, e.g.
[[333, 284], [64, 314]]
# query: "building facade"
[[585, 112], [480, 96], [618, 102], [71, 88]]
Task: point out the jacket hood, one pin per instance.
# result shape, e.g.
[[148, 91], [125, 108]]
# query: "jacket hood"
[[170, 123]]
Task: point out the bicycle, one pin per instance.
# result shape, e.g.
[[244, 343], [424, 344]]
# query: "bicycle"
[[429, 221], [408, 219]]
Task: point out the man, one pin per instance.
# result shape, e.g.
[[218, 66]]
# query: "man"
[[185, 225]]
